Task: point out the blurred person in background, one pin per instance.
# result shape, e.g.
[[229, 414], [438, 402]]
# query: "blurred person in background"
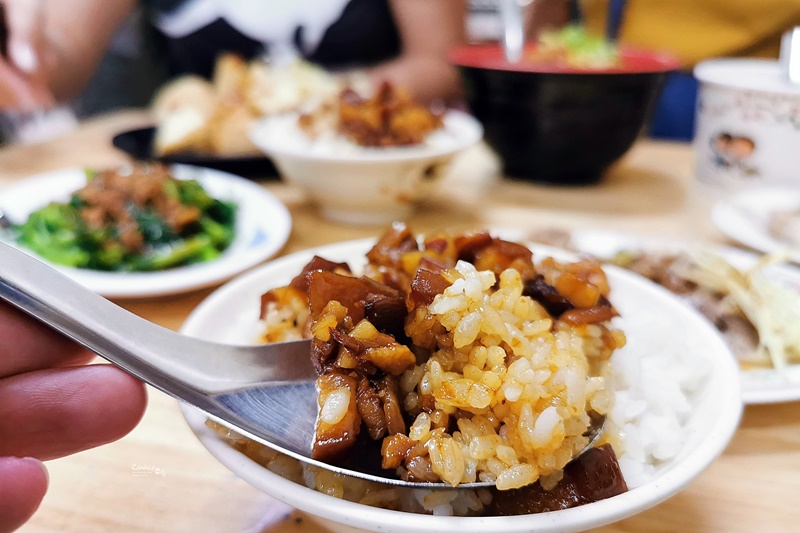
[[692, 30], [57, 50]]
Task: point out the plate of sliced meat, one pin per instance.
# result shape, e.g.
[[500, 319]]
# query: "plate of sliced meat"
[[753, 300]]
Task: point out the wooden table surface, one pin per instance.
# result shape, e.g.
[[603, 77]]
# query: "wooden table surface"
[[753, 486]]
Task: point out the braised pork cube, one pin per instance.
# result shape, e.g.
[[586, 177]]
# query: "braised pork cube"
[[361, 347], [389, 392], [353, 293], [390, 248], [490, 253], [370, 408], [388, 258], [600, 312], [547, 295], [382, 350], [427, 284], [338, 421], [592, 477], [317, 263], [379, 406], [295, 295]]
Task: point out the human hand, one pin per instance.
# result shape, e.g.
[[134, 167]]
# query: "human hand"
[[52, 405], [23, 83]]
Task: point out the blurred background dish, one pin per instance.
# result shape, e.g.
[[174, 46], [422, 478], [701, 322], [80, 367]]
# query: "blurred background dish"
[[262, 227], [132, 218], [207, 122], [198, 116], [672, 262], [556, 123], [366, 160], [766, 219], [139, 144]]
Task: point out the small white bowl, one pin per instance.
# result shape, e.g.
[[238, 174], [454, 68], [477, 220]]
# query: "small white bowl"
[[361, 185]]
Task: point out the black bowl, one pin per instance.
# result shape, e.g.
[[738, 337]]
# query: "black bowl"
[[139, 144], [560, 125]]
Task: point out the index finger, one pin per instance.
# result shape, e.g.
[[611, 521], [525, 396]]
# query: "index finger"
[[19, 93], [26, 345], [24, 23]]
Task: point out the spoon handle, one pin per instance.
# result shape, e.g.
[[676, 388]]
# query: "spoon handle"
[[513, 29], [790, 55], [5, 223], [187, 368]]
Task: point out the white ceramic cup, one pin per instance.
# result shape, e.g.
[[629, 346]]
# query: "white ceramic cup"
[[748, 124]]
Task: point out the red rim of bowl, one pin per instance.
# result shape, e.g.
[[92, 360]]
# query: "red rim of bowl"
[[491, 57]]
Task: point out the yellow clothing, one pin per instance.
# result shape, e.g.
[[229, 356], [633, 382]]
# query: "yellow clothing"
[[695, 30]]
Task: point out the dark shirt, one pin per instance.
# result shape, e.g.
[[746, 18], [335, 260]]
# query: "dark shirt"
[[365, 34]]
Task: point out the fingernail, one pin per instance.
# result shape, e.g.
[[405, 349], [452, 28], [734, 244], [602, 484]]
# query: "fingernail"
[[23, 56], [40, 465]]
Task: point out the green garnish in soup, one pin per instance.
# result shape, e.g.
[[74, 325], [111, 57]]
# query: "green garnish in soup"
[[573, 47]]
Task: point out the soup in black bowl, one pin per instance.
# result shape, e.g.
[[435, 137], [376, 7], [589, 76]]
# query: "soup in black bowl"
[[554, 123]]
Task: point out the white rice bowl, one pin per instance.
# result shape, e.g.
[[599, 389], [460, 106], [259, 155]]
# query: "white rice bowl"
[[355, 184], [677, 402]]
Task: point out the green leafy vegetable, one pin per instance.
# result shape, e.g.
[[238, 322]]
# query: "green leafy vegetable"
[[143, 220]]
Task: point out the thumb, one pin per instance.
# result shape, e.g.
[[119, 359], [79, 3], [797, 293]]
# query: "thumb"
[[23, 483]]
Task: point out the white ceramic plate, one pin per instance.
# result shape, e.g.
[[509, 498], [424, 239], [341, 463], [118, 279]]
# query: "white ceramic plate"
[[745, 217], [263, 225], [230, 315], [758, 385]]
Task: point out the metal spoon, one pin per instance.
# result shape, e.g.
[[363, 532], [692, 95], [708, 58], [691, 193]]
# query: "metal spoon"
[[5, 223], [513, 29], [266, 392], [575, 12], [790, 55], [616, 14]]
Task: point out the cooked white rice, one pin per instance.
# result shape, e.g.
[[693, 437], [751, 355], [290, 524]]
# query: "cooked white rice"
[[283, 134], [654, 393], [520, 387]]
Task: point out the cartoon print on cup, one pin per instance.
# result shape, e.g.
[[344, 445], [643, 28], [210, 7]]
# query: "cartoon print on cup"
[[719, 147], [732, 152]]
